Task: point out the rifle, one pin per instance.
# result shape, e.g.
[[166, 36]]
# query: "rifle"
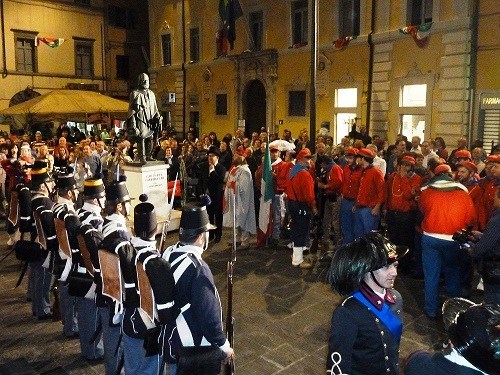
[[56, 307], [229, 367], [166, 224]]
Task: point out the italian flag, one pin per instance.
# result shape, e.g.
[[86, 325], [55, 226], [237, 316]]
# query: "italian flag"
[[267, 193], [51, 42]]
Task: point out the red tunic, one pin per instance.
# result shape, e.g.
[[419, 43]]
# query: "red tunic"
[[400, 192], [371, 188], [301, 188], [477, 195], [489, 189], [351, 181], [335, 178], [281, 171]]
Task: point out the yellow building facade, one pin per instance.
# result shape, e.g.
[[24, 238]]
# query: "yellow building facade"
[[433, 79], [96, 45]]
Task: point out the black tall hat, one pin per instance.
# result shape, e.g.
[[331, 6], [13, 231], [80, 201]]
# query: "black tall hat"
[[39, 173], [214, 150], [144, 218], [194, 220], [365, 254], [117, 191], [65, 180], [475, 333], [93, 188]]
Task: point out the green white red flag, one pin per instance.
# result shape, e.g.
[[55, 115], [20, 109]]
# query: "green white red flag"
[[267, 194], [51, 42]]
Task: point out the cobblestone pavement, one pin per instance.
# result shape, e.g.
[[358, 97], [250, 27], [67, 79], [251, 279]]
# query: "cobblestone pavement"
[[282, 317]]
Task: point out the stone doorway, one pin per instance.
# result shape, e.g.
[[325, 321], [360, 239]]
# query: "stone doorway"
[[254, 107]]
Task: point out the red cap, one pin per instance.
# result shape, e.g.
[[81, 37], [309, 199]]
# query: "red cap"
[[240, 151], [493, 159], [367, 153], [469, 165], [273, 148], [304, 153], [409, 159], [351, 151], [463, 154], [442, 168]]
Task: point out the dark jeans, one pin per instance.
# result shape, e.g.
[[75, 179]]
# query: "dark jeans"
[[301, 216]]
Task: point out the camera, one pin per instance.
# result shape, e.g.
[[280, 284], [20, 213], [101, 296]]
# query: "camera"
[[465, 237]]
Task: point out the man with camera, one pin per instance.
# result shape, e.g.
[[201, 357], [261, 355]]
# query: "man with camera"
[[440, 221], [487, 253]]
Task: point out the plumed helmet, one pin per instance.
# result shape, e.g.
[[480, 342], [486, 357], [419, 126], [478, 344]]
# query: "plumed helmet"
[[144, 218], [93, 188], [365, 254], [474, 331], [65, 179], [39, 174], [194, 220], [117, 192]]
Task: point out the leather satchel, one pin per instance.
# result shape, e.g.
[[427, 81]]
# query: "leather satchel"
[[79, 283], [28, 251], [200, 360]]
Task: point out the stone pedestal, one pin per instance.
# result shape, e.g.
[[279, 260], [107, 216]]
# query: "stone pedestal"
[[151, 179]]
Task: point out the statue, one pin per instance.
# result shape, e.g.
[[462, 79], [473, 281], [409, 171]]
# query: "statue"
[[143, 118]]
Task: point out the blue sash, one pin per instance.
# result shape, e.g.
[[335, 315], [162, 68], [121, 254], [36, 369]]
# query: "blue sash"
[[386, 315]]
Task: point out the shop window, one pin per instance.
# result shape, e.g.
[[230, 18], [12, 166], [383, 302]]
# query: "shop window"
[[412, 103], [345, 109]]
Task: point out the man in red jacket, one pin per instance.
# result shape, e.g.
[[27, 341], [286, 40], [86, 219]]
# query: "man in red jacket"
[[302, 206], [331, 190], [400, 205], [370, 195], [447, 208], [350, 187]]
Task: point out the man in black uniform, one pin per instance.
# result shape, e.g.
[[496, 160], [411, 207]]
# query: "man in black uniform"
[[40, 278], [214, 184], [367, 326]]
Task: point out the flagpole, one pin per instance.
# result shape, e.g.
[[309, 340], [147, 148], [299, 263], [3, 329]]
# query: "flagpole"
[[314, 58]]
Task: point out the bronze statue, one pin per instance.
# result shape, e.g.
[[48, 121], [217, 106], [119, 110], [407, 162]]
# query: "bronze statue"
[[143, 118]]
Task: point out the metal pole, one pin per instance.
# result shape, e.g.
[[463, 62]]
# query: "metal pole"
[[314, 59]]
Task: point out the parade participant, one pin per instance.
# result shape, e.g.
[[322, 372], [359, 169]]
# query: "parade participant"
[[474, 334], [440, 221], [370, 195], [302, 206], [214, 186], [280, 169], [91, 224], [400, 205], [64, 208], [199, 322], [240, 185], [40, 278], [487, 253], [331, 188], [350, 188], [367, 326], [143, 118], [114, 235], [489, 182]]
